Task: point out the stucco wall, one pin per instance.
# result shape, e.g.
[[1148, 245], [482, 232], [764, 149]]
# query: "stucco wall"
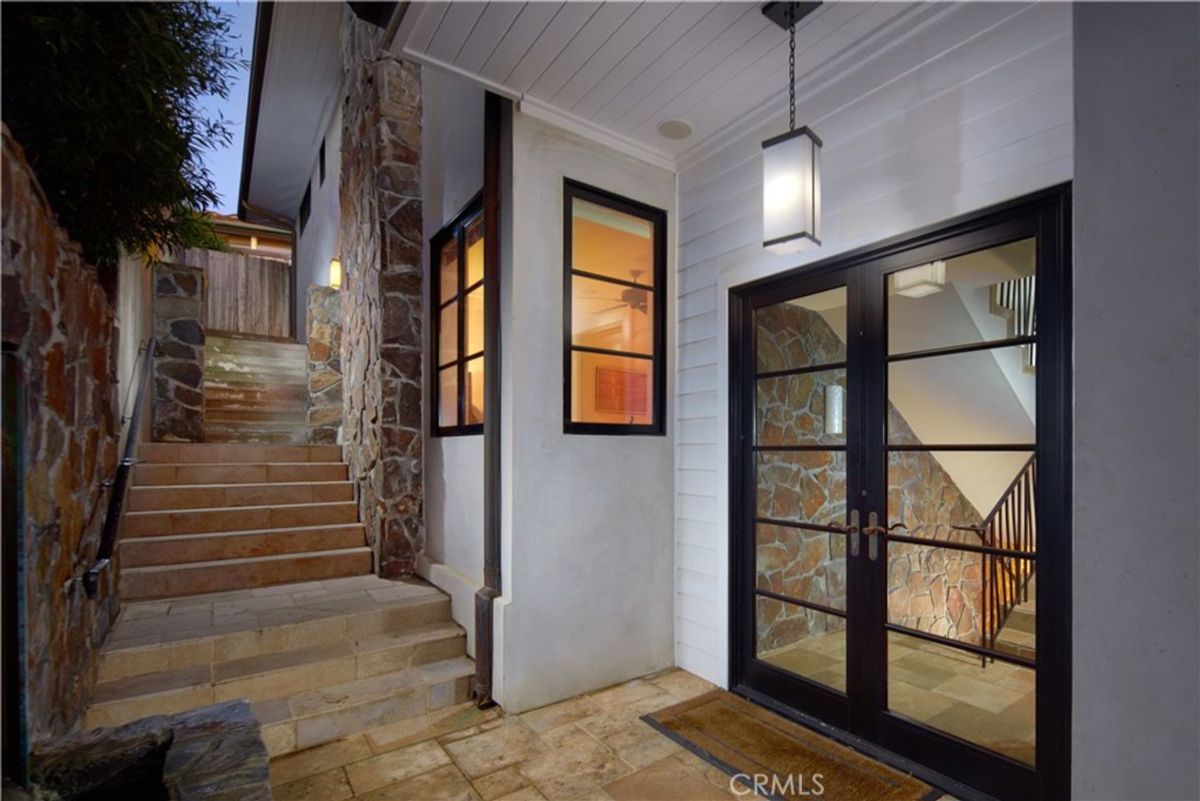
[[586, 552], [319, 241], [452, 174], [1136, 583]]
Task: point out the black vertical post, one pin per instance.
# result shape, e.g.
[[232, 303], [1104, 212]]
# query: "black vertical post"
[[484, 598]]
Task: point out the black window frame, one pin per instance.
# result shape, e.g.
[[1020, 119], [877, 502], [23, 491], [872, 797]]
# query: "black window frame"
[[455, 230], [321, 162], [658, 219]]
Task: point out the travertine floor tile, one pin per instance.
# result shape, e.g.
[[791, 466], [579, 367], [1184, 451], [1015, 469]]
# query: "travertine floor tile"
[[302, 764], [395, 766], [501, 783], [573, 769], [332, 785], [444, 784], [489, 751]]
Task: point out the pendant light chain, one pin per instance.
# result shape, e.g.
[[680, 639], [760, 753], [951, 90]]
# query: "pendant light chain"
[[791, 75]]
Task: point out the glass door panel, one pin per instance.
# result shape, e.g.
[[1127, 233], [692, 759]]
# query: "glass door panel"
[[800, 467], [961, 434]]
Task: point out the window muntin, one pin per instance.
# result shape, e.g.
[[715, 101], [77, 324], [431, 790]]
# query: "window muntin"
[[458, 319], [615, 282]]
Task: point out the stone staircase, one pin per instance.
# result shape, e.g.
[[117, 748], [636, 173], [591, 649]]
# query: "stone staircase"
[[317, 660], [245, 574], [255, 389], [217, 517], [1018, 636]]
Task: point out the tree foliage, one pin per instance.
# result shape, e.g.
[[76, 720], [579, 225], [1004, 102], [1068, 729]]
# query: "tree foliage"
[[105, 98]]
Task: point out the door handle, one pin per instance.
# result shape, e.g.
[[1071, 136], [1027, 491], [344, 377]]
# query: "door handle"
[[851, 530], [873, 530]]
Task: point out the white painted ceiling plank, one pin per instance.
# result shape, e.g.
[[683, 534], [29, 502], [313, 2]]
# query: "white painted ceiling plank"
[[758, 58], [768, 79], [492, 27], [637, 28], [672, 58], [598, 30], [517, 40], [454, 29], [735, 38], [677, 24], [427, 24], [559, 34]]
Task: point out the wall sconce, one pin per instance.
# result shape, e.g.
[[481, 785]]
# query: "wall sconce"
[[835, 409], [917, 282], [791, 161], [335, 274]]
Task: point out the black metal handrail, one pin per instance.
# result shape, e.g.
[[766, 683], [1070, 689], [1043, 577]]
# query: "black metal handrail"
[[116, 498], [1009, 528]]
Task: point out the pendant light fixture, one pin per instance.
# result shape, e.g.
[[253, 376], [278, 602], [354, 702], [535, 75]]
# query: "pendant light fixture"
[[791, 161]]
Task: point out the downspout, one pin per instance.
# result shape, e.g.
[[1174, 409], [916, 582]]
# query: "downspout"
[[486, 595]]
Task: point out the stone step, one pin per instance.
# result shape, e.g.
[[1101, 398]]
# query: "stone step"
[[208, 496], [195, 578], [291, 435], [159, 475], [165, 635], [221, 453], [321, 716], [233, 347], [176, 548], [278, 415], [161, 523], [273, 676]]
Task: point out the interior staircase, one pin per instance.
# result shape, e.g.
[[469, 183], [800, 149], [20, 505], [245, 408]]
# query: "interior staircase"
[[1017, 636], [255, 389], [245, 574]]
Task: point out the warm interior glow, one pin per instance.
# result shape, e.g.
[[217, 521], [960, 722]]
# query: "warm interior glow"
[[335, 274], [612, 315]]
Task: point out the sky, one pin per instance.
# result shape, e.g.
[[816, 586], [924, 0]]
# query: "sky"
[[226, 164]]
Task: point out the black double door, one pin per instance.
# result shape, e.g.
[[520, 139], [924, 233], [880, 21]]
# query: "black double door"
[[899, 498]]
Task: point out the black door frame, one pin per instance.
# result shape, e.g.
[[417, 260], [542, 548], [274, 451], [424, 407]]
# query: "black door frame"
[[952, 764]]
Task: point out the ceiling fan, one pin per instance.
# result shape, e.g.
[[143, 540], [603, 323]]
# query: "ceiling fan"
[[636, 299]]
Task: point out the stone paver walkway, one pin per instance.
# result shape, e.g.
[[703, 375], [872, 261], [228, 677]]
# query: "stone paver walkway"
[[592, 748]]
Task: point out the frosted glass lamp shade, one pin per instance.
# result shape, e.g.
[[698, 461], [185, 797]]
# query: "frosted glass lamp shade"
[[792, 192], [335, 274]]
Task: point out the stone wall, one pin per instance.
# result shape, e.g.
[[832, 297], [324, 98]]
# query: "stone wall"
[[324, 326], [60, 325], [381, 300], [929, 589], [179, 358]]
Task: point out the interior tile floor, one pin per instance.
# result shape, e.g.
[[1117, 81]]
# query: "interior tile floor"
[[589, 748], [942, 687]]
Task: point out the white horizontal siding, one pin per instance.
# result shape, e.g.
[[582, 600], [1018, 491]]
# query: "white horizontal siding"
[[969, 108]]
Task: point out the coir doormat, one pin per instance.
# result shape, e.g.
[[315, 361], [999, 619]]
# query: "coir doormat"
[[781, 759]]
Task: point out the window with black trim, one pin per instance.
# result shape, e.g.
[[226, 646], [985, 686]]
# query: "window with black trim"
[[305, 208], [614, 322], [321, 161], [456, 255]]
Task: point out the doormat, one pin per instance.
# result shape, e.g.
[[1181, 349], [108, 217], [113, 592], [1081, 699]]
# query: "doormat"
[[781, 759]]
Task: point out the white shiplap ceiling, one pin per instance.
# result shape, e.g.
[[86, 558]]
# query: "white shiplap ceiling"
[[615, 70]]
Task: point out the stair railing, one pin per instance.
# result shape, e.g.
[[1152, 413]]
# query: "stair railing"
[[116, 498], [1016, 300], [1011, 525]]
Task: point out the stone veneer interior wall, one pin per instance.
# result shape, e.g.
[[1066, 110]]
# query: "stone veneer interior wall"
[[929, 589], [178, 312], [381, 236], [324, 328], [60, 325]]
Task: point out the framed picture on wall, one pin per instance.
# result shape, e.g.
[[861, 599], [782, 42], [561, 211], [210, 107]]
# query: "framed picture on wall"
[[622, 391]]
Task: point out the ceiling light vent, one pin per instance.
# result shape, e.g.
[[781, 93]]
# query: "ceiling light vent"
[[675, 129]]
